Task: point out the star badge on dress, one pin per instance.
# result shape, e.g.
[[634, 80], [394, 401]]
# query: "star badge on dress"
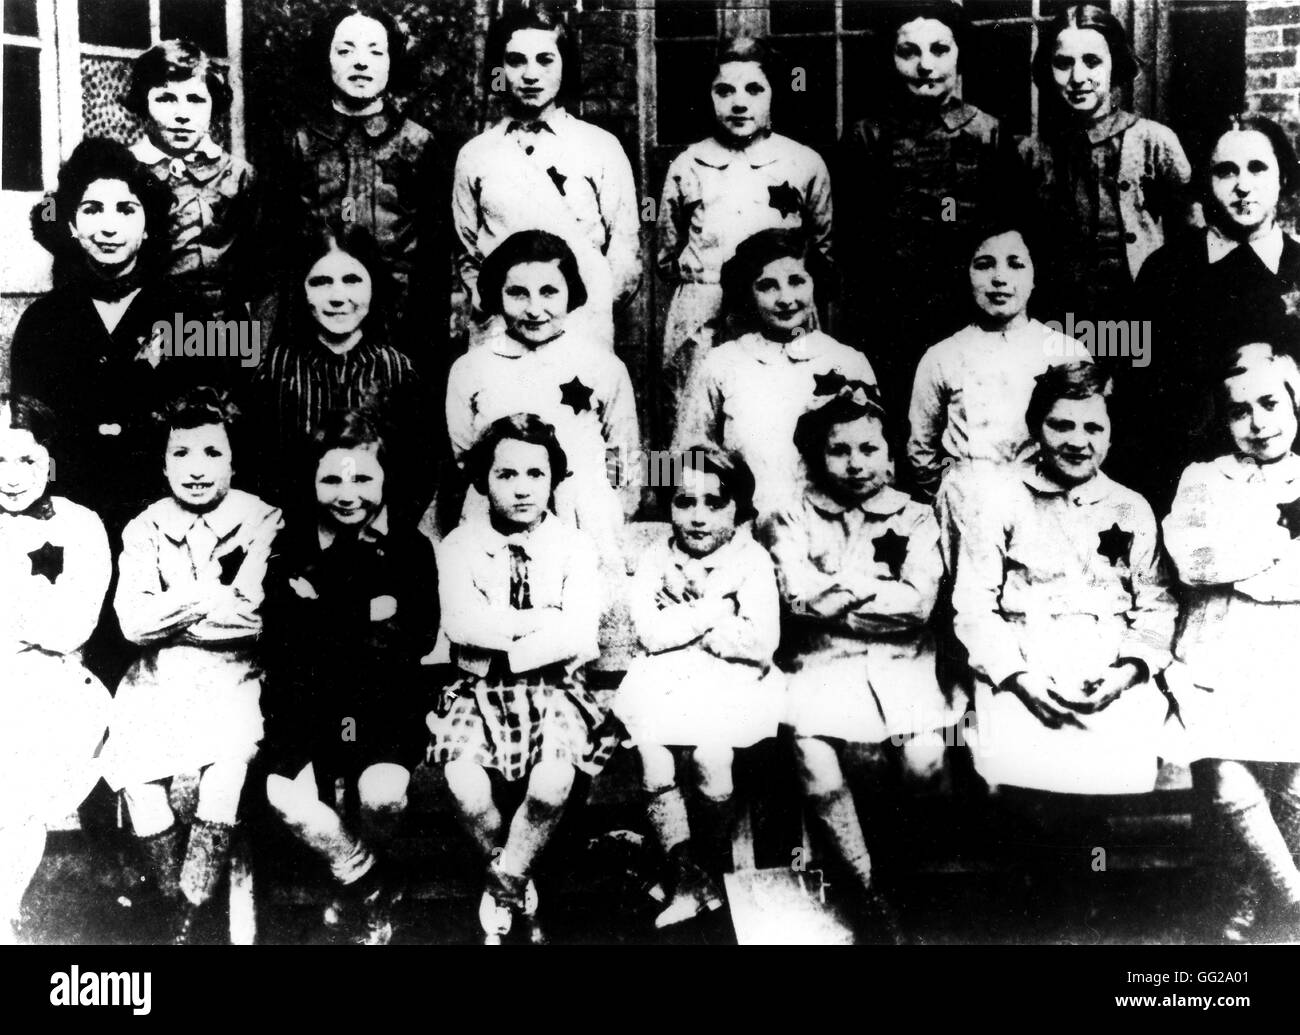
[[1114, 543], [230, 564], [785, 199], [47, 560], [1288, 516], [829, 384], [891, 549], [557, 178], [576, 396]]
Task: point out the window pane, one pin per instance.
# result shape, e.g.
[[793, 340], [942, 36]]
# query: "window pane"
[[868, 81], [114, 23], [685, 113], [807, 114], [996, 73], [20, 17], [677, 18], [20, 168], [865, 14], [1207, 74], [203, 21], [792, 16]]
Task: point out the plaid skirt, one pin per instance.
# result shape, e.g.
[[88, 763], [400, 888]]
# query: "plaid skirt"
[[512, 726]]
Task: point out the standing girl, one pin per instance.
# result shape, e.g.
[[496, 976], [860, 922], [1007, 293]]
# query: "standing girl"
[[351, 608], [705, 609], [543, 364], [1232, 533], [859, 567], [55, 567], [748, 394], [360, 160], [542, 168], [177, 90], [521, 606], [921, 165], [1112, 186], [726, 188], [189, 593], [971, 390]]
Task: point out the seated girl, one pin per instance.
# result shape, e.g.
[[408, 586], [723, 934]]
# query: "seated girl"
[[189, 592], [351, 607], [55, 567], [521, 607], [705, 609]]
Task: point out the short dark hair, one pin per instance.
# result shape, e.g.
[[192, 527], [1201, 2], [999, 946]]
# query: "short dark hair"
[[28, 413], [1078, 380], [752, 256], [733, 474], [814, 427], [173, 61], [1283, 151], [518, 17], [348, 429], [1124, 64], [197, 407], [901, 12], [528, 246], [518, 427], [334, 233], [322, 38], [94, 159], [751, 48]]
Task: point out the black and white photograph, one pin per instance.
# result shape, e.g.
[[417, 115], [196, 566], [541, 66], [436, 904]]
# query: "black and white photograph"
[[651, 473]]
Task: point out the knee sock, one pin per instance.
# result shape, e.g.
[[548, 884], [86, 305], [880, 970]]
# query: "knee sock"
[[717, 822], [205, 860], [1258, 831], [666, 811], [380, 825], [839, 817], [162, 852], [22, 846], [533, 824]]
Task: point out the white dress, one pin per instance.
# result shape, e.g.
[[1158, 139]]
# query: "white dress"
[[193, 696], [701, 684], [55, 570], [1238, 648]]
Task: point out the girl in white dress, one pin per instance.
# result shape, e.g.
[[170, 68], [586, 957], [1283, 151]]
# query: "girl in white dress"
[[189, 592], [55, 567], [1232, 534], [705, 608]]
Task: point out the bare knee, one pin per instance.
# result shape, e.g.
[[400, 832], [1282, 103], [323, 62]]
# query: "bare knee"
[[1234, 785], [469, 784], [658, 770], [382, 788], [713, 771], [550, 782], [819, 767]]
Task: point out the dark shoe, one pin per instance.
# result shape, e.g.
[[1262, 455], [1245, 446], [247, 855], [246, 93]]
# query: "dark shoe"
[[185, 922], [1242, 925], [378, 908], [504, 898], [694, 892]]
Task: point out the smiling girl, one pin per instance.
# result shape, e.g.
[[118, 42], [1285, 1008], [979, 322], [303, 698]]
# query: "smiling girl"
[[541, 168], [177, 90], [722, 190], [189, 593], [55, 566], [1232, 533], [520, 597], [1111, 185]]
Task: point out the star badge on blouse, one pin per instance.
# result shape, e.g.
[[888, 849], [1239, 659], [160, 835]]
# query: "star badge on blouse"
[[230, 564], [891, 549], [576, 396], [1114, 543], [1288, 516], [829, 384], [47, 560], [557, 178], [785, 199]]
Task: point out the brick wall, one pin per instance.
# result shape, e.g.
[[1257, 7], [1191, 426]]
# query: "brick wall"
[[1273, 71]]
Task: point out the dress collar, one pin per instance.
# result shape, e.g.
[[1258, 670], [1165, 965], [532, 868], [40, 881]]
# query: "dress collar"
[[374, 531], [1111, 126], [541, 540], [758, 154], [334, 125], [200, 164], [1239, 467], [552, 121], [42, 509], [1092, 491], [885, 502], [804, 347], [175, 521], [1268, 248], [730, 551]]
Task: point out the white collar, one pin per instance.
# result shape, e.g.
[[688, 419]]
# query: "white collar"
[[175, 521], [150, 153], [371, 532], [1268, 247]]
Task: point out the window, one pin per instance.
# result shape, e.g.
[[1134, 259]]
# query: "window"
[[64, 64]]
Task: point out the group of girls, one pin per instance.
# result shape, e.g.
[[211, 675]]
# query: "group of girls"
[[870, 541]]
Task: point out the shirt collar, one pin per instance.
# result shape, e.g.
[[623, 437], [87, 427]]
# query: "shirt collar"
[[502, 344], [1268, 247], [552, 120], [809, 345], [758, 154], [42, 509], [1111, 126], [175, 521], [885, 502], [374, 531], [539, 541], [1238, 467], [335, 125], [1091, 491], [719, 557], [197, 163]]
